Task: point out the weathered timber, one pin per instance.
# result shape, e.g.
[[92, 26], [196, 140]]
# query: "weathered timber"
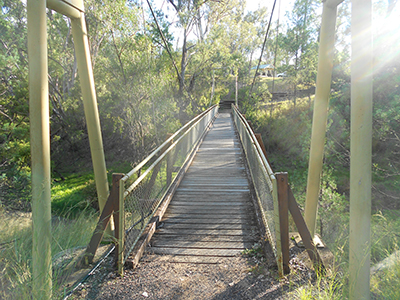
[[197, 252], [211, 214], [201, 244]]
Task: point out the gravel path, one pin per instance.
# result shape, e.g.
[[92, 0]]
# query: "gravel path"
[[241, 277]]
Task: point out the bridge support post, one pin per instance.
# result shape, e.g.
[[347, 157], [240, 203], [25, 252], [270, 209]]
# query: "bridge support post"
[[283, 202], [236, 89], [320, 115], [40, 149], [170, 162], [79, 33], [360, 149]]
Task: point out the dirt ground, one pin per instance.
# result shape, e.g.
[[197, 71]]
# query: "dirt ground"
[[241, 277]]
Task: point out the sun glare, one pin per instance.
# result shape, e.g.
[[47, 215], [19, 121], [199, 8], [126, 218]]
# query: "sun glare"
[[386, 37]]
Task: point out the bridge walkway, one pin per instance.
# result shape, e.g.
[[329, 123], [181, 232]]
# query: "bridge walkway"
[[211, 215]]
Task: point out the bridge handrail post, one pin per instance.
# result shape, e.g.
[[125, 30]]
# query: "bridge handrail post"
[[119, 217], [144, 183], [110, 209], [169, 162], [283, 202]]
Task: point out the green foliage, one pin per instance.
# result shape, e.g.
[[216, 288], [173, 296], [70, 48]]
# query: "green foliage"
[[385, 238], [16, 250], [325, 288], [73, 195], [386, 284]]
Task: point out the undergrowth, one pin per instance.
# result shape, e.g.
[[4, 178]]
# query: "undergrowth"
[[16, 250], [286, 131]]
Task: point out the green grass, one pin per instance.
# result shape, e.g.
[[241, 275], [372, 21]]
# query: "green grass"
[[386, 284], [75, 215], [324, 288], [73, 195], [16, 250], [286, 133]]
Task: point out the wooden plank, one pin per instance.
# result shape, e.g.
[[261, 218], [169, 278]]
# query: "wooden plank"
[[224, 167], [187, 259], [228, 232], [195, 216], [206, 220], [218, 193], [210, 204], [206, 238], [241, 226], [210, 190], [215, 182], [215, 210], [210, 212], [201, 245], [235, 197], [196, 252], [218, 172]]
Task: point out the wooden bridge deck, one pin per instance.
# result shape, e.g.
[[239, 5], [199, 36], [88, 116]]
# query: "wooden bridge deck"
[[211, 214]]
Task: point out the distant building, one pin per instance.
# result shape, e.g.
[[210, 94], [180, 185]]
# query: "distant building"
[[264, 70]]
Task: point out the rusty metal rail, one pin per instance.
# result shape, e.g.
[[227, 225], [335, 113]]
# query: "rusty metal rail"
[[275, 199], [135, 196]]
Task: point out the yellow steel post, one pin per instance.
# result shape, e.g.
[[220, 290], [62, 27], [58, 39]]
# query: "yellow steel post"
[[121, 228], [324, 77], [40, 149], [81, 42], [360, 149], [236, 89], [71, 9]]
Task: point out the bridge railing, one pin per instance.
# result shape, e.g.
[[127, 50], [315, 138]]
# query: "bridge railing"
[[143, 189], [264, 182], [136, 196]]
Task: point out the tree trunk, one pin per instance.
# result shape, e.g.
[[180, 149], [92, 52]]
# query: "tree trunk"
[[183, 63]]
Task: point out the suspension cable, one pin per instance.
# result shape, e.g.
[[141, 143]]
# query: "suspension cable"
[[262, 50], [170, 54], [276, 46]]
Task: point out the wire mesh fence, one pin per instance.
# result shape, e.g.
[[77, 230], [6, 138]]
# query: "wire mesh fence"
[[143, 189], [264, 181]]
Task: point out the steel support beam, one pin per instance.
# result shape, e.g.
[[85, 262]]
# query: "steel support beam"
[[85, 71], [332, 3], [236, 90], [40, 149], [360, 149], [320, 115], [71, 8]]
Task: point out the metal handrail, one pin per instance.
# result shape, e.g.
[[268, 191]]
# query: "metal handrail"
[[147, 192], [255, 142], [270, 180], [168, 141]]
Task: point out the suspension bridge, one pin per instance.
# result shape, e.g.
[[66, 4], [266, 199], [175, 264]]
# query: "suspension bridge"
[[156, 192], [208, 192]]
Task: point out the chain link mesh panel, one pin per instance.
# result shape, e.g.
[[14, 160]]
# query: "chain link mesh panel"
[[264, 183], [155, 175]]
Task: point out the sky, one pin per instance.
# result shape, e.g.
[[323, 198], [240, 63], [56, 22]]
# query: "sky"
[[251, 5]]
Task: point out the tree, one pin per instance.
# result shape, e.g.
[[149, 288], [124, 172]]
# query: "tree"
[[300, 44]]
